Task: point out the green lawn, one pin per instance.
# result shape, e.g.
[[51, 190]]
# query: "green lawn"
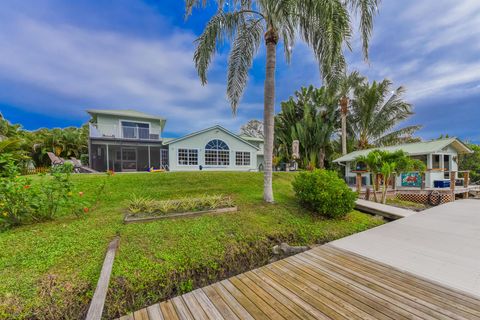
[[49, 270]]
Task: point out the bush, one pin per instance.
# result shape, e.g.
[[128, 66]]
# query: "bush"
[[22, 202], [323, 192]]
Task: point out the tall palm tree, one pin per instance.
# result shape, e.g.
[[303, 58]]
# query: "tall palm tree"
[[344, 87], [376, 112], [324, 25]]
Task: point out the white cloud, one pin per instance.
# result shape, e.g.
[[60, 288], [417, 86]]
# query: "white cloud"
[[108, 70]]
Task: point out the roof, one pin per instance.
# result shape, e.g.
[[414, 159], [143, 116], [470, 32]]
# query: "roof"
[[417, 148], [248, 138], [125, 113], [209, 129]]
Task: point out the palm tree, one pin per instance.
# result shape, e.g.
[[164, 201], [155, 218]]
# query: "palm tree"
[[376, 112], [324, 25], [311, 118], [344, 87]]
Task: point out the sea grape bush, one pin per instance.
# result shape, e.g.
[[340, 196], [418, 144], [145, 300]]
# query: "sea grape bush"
[[23, 202]]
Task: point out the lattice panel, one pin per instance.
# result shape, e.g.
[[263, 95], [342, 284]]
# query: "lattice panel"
[[423, 197]]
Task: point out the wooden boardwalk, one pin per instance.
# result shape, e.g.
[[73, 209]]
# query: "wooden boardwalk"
[[322, 283]]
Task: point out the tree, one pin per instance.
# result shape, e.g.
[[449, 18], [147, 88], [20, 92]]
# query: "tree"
[[324, 25], [471, 161], [311, 119], [376, 111], [388, 164], [253, 128], [345, 87]]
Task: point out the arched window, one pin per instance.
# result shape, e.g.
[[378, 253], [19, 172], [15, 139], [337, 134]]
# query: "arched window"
[[217, 153]]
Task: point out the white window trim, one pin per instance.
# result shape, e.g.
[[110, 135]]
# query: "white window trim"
[[243, 165], [188, 165]]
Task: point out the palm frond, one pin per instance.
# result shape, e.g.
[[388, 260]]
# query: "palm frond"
[[366, 9], [222, 26], [245, 46], [397, 136]]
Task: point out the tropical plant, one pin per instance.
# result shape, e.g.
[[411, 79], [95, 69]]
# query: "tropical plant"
[[323, 192], [311, 119], [324, 25], [387, 164], [376, 112], [471, 162], [344, 87]]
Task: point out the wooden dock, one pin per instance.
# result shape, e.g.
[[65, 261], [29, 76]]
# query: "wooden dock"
[[323, 283], [389, 212]]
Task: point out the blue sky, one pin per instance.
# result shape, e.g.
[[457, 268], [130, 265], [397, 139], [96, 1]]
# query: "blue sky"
[[58, 58]]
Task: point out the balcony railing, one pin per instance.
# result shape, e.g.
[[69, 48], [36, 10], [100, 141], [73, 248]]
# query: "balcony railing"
[[123, 132]]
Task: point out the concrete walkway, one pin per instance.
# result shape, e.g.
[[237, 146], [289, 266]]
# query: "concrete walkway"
[[441, 244]]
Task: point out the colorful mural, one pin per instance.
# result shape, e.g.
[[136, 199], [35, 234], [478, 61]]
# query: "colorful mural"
[[411, 179]]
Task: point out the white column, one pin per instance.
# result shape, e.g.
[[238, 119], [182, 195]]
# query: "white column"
[[429, 161], [149, 158], [108, 160]]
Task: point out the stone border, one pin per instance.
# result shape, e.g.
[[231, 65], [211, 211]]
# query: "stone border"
[[132, 219]]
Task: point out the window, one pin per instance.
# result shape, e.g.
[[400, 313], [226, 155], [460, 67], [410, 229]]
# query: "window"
[[435, 161], [242, 158], [188, 157], [217, 153], [135, 130]]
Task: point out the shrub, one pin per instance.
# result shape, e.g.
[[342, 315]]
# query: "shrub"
[[137, 205], [22, 202], [323, 192]]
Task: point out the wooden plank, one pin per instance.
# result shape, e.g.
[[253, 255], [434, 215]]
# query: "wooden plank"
[[140, 314], [312, 282], [127, 317], [386, 302], [384, 210], [154, 312], [95, 309], [337, 305], [409, 293], [435, 297], [168, 310], [402, 299], [236, 307], [220, 304], [207, 306], [257, 300], [194, 307], [182, 311], [361, 299], [319, 305], [244, 301], [253, 281], [406, 277]]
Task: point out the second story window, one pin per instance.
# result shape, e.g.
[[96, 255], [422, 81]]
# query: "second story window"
[[135, 130]]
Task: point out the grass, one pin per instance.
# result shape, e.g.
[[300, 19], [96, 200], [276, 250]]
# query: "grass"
[[406, 204], [50, 270]]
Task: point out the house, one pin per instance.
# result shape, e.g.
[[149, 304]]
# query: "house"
[[128, 140], [440, 157]]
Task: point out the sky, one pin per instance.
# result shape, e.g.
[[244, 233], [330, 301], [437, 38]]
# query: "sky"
[[59, 58]]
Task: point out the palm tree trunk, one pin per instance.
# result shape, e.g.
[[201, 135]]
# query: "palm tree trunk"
[[271, 40], [343, 112]]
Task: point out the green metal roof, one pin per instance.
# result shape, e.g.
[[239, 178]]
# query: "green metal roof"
[[125, 113], [248, 138], [417, 148]]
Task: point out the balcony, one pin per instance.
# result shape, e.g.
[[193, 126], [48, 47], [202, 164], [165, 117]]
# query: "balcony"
[[123, 132]]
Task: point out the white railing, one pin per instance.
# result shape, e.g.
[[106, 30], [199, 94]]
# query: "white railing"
[[123, 132]]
